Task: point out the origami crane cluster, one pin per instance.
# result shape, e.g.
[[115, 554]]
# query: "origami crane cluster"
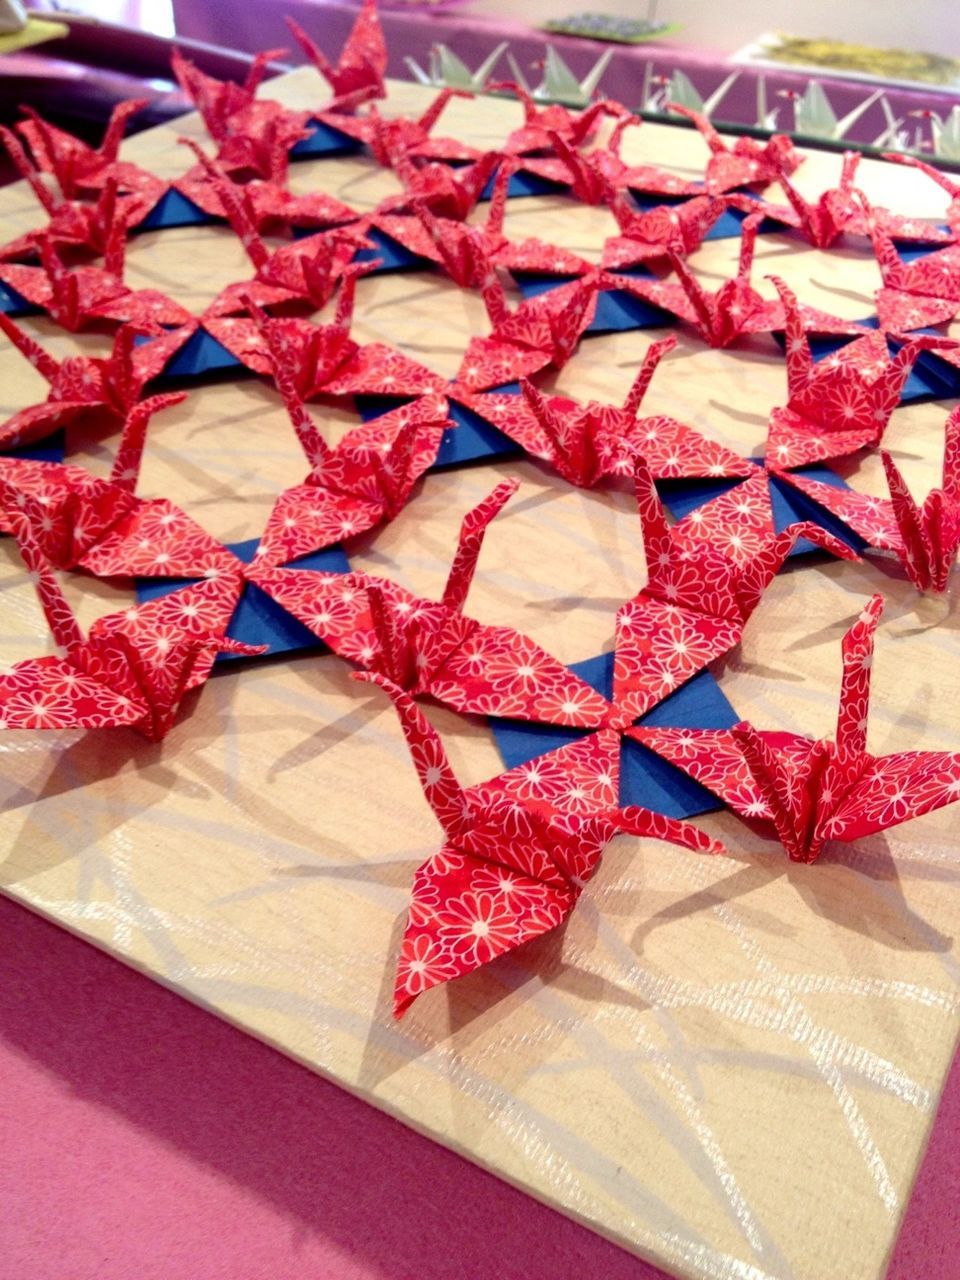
[[638, 739]]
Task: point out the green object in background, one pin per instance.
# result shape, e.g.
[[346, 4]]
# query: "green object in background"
[[609, 27]]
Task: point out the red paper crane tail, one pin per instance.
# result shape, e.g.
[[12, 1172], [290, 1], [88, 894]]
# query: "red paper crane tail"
[[26, 514], [943, 180], [915, 557], [496, 214], [892, 269], [655, 353], [472, 531], [440, 786], [18, 157], [800, 365], [657, 540], [115, 247], [259, 68], [790, 809], [398, 652], [126, 465], [531, 112], [494, 299], [41, 360], [703, 126], [637, 821], [857, 651]]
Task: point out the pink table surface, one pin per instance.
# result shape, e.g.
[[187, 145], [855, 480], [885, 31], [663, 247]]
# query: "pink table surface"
[[142, 1137]]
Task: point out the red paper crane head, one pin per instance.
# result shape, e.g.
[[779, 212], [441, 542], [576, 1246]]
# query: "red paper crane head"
[[508, 872], [931, 532]]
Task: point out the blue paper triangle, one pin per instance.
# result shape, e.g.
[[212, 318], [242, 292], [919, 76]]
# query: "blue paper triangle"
[[392, 255], [472, 439], [14, 304], [258, 619], [324, 140], [174, 210], [200, 354], [523, 184], [645, 778], [51, 449]]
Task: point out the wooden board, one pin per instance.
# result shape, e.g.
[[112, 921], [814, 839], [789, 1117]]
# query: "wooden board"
[[726, 1065]]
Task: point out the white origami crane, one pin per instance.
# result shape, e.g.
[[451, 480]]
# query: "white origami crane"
[[682, 91], [13, 17], [559, 84], [446, 70], [814, 117]]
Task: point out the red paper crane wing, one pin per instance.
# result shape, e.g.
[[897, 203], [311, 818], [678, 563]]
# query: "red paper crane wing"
[[501, 672], [575, 779], [672, 450], [893, 789], [157, 540], [659, 647], [715, 758], [52, 693], [872, 518]]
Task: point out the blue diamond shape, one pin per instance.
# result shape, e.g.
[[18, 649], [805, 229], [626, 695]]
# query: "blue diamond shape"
[[174, 210], [324, 141]]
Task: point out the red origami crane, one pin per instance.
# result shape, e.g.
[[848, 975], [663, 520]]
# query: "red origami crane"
[[448, 193], [512, 866], [132, 669], [362, 65], [87, 226], [721, 317], [388, 140], [587, 443], [81, 171], [543, 331], [81, 510], [90, 295], [806, 793], [468, 253], [431, 647], [231, 110], [303, 272], [930, 534], [697, 600], [747, 163], [839, 211], [943, 180], [322, 359], [647, 235], [540, 123], [105, 391], [594, 175], [844, 402], [915, 294]]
